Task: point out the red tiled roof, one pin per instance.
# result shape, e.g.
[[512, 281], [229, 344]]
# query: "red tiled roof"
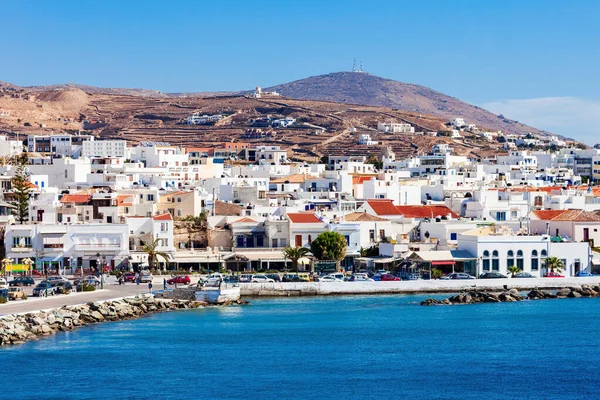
[[303, 218], [76, 198], [383, 207], [567, 215], [362, 216], [547, 215], [121, 200], [426, 211], [163, 217], [359, 179], [245, 220]]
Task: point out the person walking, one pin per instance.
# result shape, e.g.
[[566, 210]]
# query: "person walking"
[[164, 283], [149, 287]]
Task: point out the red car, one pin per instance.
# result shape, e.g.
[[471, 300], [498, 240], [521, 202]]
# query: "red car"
[[553, 275], [389, 277], [129, 277], [185, 279]]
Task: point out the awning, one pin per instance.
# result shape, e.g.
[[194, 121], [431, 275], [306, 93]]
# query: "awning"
[[443, 263], [596, 261]]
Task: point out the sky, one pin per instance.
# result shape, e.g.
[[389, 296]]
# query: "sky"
[[533, 61]]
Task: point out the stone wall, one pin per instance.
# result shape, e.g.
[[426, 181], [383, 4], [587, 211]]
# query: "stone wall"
[[18, 328]]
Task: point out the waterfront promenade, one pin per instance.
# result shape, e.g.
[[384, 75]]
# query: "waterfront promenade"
[[112, 290]]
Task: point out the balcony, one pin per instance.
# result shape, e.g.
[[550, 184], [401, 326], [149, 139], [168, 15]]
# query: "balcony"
[[21, 249], [97, 246], [53, 245]]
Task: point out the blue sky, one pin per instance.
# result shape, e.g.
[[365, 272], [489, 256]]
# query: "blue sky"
[[534, 61]]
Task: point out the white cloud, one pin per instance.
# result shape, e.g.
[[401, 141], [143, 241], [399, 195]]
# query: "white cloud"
[[569, 116]]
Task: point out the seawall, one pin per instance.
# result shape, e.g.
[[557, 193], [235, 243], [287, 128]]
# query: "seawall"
[[407, 287], [19, 328]]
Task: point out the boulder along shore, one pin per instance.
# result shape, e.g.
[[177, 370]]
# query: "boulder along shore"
[[19, 328], [477, 296]]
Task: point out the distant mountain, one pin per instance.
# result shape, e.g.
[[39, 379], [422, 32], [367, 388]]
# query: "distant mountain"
[[366, 89]]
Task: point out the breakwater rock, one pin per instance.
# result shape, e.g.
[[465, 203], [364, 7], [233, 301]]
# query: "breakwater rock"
[[473, 297], [19, 328]]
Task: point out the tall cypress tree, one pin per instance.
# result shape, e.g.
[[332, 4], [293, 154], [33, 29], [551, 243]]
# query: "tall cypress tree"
[[21, 190]]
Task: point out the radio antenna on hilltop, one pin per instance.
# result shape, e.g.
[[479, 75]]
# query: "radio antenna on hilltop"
[[360, 70], [354, 65]]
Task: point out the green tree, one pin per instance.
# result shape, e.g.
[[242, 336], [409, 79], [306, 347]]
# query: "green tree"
[[554, 264], [153, 254], [21, 191], [513, 269], [329, 246], [375, 161], [436, 273], [294, 254]]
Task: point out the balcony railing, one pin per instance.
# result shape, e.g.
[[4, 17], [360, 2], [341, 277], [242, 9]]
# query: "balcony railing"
[[98, 246], [21, 249], [53, 245]]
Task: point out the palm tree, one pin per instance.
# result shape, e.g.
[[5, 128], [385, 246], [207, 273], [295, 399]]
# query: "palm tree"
[[153, 254], [294, 254], [554, 264], [513, 269]]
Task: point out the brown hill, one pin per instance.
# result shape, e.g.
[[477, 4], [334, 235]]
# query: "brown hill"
[[143, 118], [366, 89]]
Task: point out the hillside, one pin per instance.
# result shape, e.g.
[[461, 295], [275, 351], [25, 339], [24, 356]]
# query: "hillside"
[[143, 118], [366, 89]]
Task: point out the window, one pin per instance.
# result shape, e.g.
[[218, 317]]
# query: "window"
[[279, 228], [282, 242], [179, 199], [486, 261], [510, 259], [544, 254], [495, 261], [500, 216], [535, 262], [520, 259], [273, 242], [453, 237], [309, 239], [179, 212], [372, 235], [381, 234], [163, 227], [150, 197]]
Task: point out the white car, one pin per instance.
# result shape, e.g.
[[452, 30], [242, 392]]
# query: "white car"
[[145, 278], [3, 283], [57, 278], [360, 278], [261, 279], [329, 278]]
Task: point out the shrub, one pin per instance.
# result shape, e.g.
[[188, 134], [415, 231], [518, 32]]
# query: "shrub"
[[3, 300], [86, 288]]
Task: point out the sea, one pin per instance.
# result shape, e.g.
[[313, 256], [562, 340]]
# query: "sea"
[[353, 347]]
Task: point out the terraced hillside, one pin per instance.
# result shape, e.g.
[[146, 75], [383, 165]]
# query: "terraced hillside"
[[321, 128]]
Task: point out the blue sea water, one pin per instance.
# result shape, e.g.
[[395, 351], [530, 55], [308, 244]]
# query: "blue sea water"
[[376, 347]]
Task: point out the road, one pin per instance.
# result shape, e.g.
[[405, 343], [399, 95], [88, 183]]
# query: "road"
[[112, 290]]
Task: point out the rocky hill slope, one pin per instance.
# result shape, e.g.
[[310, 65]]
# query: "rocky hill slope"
[[365, 89]]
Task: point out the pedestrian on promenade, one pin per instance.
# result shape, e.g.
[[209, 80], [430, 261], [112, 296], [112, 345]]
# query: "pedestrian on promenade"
[[164, 283], [149, 287]]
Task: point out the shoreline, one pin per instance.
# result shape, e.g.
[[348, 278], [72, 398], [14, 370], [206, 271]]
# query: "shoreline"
[[19, 328], [300, 289]]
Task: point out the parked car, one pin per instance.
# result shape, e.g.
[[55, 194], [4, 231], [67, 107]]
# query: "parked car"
[[457, 275], [184, 279], [260, 278], [492, 275], [584, 274], [145, 277], [523, 275], [329, 278], [230, 279], [129, 277], [22, 281], [44, 288], [290, 278], [244, 278], [275, 277], [57, 278], [304, 277], [16, 293], [88, 280], [360, 277], [63, 285], [3, 283], [553, 275], [389, 277]]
